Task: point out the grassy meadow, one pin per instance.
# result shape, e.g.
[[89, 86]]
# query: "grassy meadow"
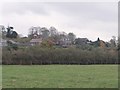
[[60, 76]]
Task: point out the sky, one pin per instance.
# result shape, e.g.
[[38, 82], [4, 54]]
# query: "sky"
[[85, 19]]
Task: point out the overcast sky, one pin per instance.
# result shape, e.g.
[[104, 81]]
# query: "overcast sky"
[[85, 19]]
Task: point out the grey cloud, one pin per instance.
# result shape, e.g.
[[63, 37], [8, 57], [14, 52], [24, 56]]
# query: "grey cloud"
[[78, 15], [88, 10], [23, 7], [85, 14], [100, 11]]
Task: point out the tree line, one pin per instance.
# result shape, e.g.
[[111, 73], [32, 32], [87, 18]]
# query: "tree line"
[[37, 55], [78, 52]]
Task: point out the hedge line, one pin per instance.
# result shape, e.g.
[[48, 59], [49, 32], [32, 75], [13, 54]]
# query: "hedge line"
[[38, 56]]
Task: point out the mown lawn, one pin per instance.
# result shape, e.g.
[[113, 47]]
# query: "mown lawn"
[[60, 76]]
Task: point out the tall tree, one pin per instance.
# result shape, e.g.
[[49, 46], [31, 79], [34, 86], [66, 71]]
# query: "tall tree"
[[11, 33], [14, 34], [71, 37], [33, 31], [53, 31], [113, 41], [8, 32], [45, 33], [2, 31]]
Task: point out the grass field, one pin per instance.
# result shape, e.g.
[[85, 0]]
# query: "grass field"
[[60, 76]]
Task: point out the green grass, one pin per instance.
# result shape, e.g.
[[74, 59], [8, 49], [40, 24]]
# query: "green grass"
[[0, 76], [60, 76]]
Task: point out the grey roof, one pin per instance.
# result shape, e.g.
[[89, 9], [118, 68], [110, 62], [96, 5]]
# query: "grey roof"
[[36, 40]]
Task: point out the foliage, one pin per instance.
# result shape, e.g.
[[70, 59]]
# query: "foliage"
[[51, 55], [47, 43], [10, 33], [11, 46]]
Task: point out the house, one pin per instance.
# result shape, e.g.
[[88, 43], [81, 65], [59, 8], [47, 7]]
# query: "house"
[[99, 43], [3, 42], [81, 41], [35, 41], [65, 42]]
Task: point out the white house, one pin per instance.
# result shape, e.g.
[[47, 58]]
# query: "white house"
[[36, 41], [3, 42]]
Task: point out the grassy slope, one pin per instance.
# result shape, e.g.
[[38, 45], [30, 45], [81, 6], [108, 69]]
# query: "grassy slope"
[[60, 76]]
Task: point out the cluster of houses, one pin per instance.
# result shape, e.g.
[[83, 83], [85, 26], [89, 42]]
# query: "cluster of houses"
[[63, 41], [37, 41]]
